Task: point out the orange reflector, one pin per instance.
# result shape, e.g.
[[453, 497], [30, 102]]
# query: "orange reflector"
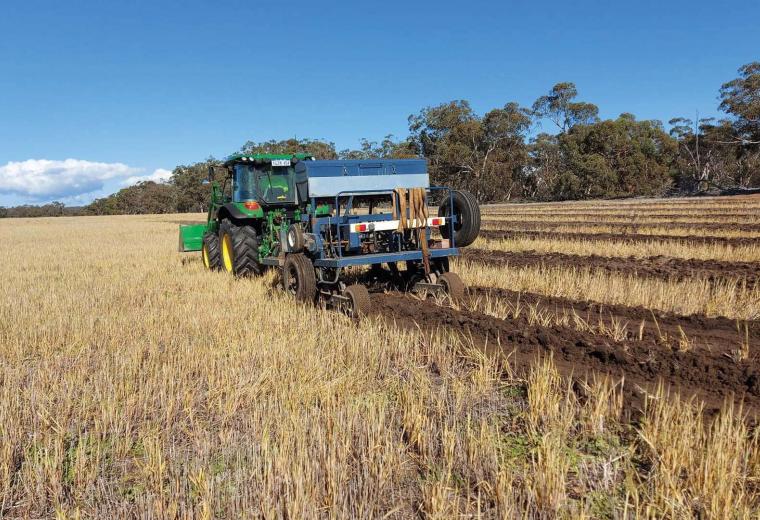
[[251, 204], [436, 222]]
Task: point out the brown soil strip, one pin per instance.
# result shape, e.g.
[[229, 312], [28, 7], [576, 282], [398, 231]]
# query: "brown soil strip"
[[663, 327], [752, 201], [624, 227], [662, 267], [626, 214], [709, 375], [183, 222], [615, 237]]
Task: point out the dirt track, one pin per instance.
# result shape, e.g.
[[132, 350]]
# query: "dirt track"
[[705, 371], [615, 237], [753, 215], [663, 267], [623, 227], [662, 327]]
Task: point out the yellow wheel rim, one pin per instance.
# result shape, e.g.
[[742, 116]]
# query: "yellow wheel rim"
[[204, 253], [227, 252]]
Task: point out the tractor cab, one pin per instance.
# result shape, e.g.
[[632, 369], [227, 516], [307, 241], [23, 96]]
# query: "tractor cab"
[[265, 178]]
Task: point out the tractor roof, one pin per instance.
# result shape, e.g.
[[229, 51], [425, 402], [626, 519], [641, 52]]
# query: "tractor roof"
[[237, 157]]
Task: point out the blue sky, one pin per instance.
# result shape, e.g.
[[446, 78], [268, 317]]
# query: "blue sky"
[[127, 90]]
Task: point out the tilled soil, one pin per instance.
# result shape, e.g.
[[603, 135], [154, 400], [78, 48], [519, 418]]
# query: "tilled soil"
[[709, 374], [624, 227], [662, 267], [748, 204], [652, 325], [494, 234], [679, 214]]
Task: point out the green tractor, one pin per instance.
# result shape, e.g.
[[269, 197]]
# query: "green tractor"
[[255, 200], [314, 220]]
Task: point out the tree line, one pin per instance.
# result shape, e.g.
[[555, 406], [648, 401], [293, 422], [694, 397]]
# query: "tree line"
[[556, 149]]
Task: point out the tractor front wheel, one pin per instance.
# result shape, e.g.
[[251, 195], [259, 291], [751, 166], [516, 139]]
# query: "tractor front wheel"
[[210, 252], [298, 277]]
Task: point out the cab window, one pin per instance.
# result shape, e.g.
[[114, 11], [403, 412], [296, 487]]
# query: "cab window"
[[275, 184], [244, 183]]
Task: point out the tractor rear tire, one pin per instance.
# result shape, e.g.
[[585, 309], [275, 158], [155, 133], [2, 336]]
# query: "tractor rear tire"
[[240, 249], [358, 296], [298, 277], [453, 285], [467, 211], [211, 252], [247, 252]]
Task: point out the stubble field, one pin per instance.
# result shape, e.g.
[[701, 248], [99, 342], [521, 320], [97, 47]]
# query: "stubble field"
[[604, 365]]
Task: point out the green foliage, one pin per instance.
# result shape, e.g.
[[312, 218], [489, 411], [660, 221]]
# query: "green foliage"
[[315, 147], [53, 209], [558, 106], [192, 194], [741, 99], [619, 158], [143, 197], [726, 153], [482, 154], [386, 149]]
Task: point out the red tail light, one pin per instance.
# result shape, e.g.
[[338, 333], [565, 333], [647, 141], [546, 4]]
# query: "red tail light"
[[361, 228], [251, 204]]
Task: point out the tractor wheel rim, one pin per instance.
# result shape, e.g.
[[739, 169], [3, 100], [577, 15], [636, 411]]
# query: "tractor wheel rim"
[[458, 224], [227, 253], [204, 252]]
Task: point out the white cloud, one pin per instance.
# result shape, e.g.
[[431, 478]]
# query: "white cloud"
[[159, 175], [41, 179]]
